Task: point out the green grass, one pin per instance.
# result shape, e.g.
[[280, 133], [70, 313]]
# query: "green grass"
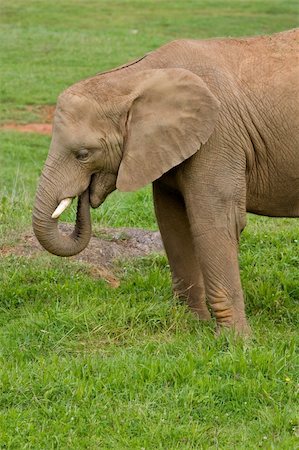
[[49, 45], [83, 365]]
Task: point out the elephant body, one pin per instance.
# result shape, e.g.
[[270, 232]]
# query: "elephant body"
[[213, 124]]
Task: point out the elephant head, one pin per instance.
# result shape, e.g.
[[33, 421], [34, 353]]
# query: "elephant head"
[[117, 130]]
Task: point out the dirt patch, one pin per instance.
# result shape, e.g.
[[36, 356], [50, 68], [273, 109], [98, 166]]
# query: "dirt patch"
[[39, 128], [44, 113], [105, 247]]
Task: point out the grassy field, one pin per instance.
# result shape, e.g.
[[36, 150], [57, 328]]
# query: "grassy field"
[[85, 366]]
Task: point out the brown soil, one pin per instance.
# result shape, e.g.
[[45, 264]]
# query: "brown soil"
[[107, 246], [44, 112], [39, 128]]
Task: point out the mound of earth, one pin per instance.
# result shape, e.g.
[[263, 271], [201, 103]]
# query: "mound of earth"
[[105, 247]]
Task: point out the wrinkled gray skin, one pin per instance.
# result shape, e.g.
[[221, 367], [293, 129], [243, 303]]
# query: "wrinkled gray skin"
[[213, 125]]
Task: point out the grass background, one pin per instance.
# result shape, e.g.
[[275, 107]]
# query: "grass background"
[[83, 365]]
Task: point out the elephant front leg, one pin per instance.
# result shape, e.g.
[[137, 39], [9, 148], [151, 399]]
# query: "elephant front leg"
[[187, 277], [215, 198], [219, 258], [216, 223]]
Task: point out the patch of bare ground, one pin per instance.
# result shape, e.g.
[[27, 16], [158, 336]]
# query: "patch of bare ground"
[[44, 114], [104, 248], [38, 128]]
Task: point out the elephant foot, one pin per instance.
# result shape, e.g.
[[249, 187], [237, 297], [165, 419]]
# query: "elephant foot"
[[238, 327], [229, 312]]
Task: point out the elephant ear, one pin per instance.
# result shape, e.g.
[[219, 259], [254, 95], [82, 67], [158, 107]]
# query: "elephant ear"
[[172, 113]]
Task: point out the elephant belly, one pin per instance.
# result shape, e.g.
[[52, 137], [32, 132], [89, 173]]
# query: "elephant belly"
[[288, 206], [273, 185]]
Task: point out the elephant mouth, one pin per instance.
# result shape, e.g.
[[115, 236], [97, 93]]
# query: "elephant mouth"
[[101, 185]]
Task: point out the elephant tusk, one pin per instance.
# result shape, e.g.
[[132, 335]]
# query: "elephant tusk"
[[61, 207]]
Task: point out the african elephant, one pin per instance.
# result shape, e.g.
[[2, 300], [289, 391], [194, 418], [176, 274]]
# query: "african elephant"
[[213, 124]]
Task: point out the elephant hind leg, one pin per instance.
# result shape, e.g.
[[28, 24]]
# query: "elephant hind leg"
[[188, 283]]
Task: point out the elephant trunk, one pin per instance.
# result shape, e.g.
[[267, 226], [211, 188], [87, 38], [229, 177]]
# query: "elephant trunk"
[[46, 228]]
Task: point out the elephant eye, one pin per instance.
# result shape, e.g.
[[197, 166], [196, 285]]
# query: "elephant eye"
[[82, 154]]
